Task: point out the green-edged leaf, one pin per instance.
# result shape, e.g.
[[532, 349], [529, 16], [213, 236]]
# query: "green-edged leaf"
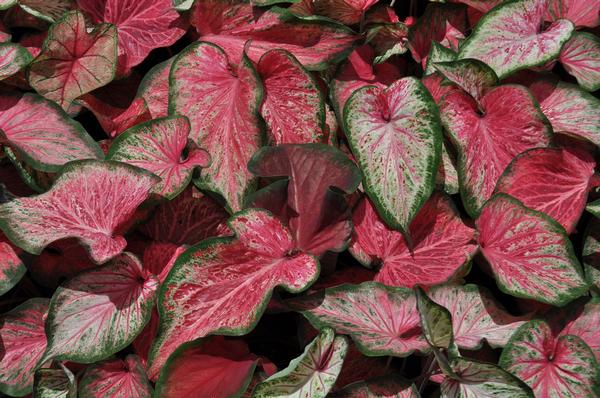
[[222, 285], [381, 320], [23, 342], [580, 56], [437, 54], [183, 5], [74, 62], [472, 75], [395, 135], [13, 57], [552, 367], [482, 380], [389, 386], [55, 383], [116, 378], [530, 254], [594, 208], [48, 10], [436, 321], [6, 4], [99, 312], [591, 254], [585, 326], [510, 37], [447, 176], [161, 147], [12, 268], [312, 374]]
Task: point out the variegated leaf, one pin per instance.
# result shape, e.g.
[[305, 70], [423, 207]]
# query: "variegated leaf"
[[116, 378], [580, 56]]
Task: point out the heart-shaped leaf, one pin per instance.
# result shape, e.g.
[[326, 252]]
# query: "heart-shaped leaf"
[[553, 181], [12, 268], [207, 290], [99, 312], [580, 56], [115, 378], [312, 374], [42, 134], [159, 146], [222, 106], [381, 320], [395, 136], [442, 244], [74, 62], [472, 75], [13, 57], [552, 367], [585, 327], [89, 201], [510, 37], [489, 134], [55, 383], [529, 253], [293, 106], [23, 344], [387, 386]]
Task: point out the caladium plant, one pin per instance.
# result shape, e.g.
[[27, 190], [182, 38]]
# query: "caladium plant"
[[299, 198]]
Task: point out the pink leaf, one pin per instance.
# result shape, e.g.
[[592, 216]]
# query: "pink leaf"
[[348, 12], [293, 106], [89, 200], [159, 258], [101, 311], [585, 326], [13, 58], [115, 120], [582, 13], [12, 268], [115, 378], [154, 89], [529, 253], [553, 181], [222, 285], [142, 25], [442, 244], [74, 62], [390, 386], [580, 56]]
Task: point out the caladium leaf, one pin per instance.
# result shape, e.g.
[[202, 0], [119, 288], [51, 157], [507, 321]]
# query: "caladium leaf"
[[55, 383], [509, 37], [212, 367], [115, 120], [348, 12], [154, 89], [312, 374], [472, 75], [23, 344], [529, 253], [293, 106], [552, 367], [580, 56], [13, 57], [74, 62], [99, 312], [182, 5], [89, 201], [482, 380], [115, 378], [161, 147], [475, 316], [489, 134], [438, 54], [49, 11], [382, 387], [585, 327], [207, 291], [553, 181], [388, 39], [447, 177], [569, 109], [395, 136], [12, 268], [591, 255], [6, 4], [442, 244], [187, 219], [317, 216], [594, 208], [42, 134], [436, 321], [582, 13], [381, 320], [222, 106], [143, 25]]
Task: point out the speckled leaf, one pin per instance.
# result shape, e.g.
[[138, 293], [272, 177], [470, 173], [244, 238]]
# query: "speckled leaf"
[[553, 181], [23, 344], [88, 201], [222, 285], [12, 268], [552, 367], [312, 374], [510, 37], [13, 57], [594, 208], [591, 256], [482, 380], [582, 13], [115, 378], [115, 120], [182, 5], [569, 109], [395, 136], [48, 10], [436, 321], [154, 88], [161, 147], [55, 383], [585, 326], [381, 320], [388, 39], [489, 134], [442, 244], [437, 54], [221, 103], [99, 312], [529, 253], [42, 134], [390, 386], [580, 57], [348, 12], [213, 367], [142, 25], [475, 316], [293, 107], [446, 179], [74, 62], [472, 75]]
